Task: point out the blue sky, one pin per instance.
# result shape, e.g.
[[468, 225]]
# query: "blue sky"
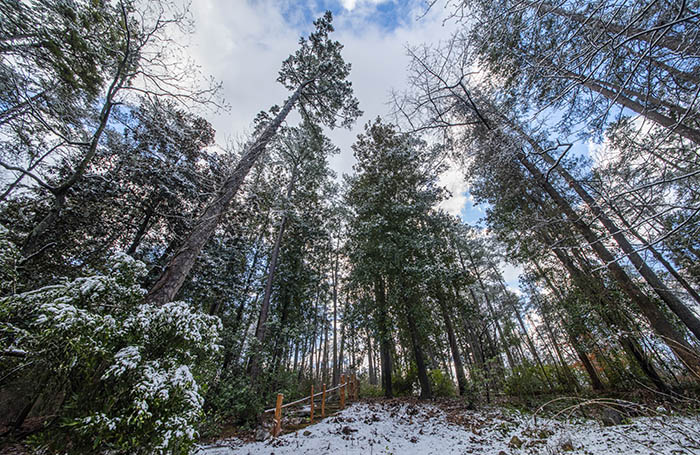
[[386, 14]]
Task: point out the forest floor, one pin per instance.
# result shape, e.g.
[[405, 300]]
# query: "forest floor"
[[412, 427]]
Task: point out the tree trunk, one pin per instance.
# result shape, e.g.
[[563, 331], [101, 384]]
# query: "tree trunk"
[[60, 192], [336, 369], [425, 392], [489, 306], [143, 227], [456, 358], [687, 132], [659, 257], [265, 308], [595, 290], [595, 380], [659, 36], [179, 266], [531, 347], [384, 334], [674, 303], [658, 321], [370, 361]]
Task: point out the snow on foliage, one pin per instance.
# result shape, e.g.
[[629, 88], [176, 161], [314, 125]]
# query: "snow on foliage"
[[132, 372], [9, 256]]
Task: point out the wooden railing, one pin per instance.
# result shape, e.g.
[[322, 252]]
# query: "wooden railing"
[[353, 392]]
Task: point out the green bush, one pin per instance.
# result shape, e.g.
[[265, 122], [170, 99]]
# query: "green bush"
[[128, 376], [441, 384], [404, 385], [370, 391], [9, 257], [235, 401], [525, 380]]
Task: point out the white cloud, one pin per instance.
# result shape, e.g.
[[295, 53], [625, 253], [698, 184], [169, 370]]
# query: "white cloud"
[[243, 45], [350, 4], [453, 180], [511, 274]]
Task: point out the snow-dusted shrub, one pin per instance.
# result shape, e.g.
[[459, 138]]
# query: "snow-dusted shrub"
[[9, 256], [128, 376], [441, 384]]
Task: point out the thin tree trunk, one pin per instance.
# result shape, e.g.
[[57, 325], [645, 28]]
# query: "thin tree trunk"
[[425, 392], [596, 383], [674, 303], [370, 361], [531, 347], [143, 227], [265, 308], [384, 335], [662, 260], [658, 321], [336, 369], [456, 358]]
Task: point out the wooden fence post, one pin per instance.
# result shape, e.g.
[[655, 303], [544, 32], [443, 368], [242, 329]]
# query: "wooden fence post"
[[277, 429], [312, 404], [342, 391], [323, 402]]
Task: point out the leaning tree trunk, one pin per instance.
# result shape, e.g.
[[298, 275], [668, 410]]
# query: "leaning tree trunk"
[[492, 312], [657, 36], [659, 257], [30, 246], [597, 292], [656, 318], [692, 134], [674, 303], [459, 367], [175, 273], [260, 330]]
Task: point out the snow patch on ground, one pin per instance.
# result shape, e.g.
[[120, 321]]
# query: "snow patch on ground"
[[405, 428]]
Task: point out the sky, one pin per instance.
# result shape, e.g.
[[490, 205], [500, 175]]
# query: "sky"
[[243, 42]]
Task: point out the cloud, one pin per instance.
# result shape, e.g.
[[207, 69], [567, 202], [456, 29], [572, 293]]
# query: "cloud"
[[243, 44], [453, 180], [351, 4], [511, 274]]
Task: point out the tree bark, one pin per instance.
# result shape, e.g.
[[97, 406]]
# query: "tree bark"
[[179, 266], [384, 334], [425, 392], [254, 367], [456, 358], [336, 369], [370, 361], [674, 303], [658, 321]]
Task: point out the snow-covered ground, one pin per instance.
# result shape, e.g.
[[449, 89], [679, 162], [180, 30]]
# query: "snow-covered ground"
[[416, 428]]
